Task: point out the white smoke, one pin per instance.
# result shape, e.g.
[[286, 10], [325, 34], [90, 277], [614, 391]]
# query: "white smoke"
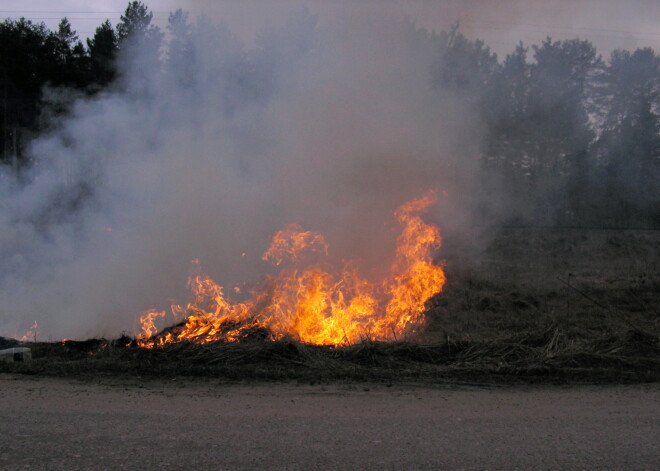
[[343, 127]]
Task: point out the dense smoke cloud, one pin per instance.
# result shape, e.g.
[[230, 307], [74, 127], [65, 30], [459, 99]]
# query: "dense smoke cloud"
[[609, 24], [327, 124]]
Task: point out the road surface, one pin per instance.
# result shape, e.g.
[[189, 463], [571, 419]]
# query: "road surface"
[[115, 424]]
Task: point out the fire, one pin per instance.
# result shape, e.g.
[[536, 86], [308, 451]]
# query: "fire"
[[291, 241], [311, 303], [31, 334]]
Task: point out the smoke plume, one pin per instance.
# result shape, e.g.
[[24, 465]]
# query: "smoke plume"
[[327, 123]]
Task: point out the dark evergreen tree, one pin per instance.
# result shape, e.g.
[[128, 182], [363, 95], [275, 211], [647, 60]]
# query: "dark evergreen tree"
[[180, 49], [25, 62], [68, 66], [629, 145], [558, 112], [463, 66], [62, 42], [103, 48], [139, 46], [135, 30], [558, 128], [135, 22], [507, 145]]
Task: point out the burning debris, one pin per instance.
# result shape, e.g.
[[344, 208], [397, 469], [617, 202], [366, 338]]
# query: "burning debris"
[[313, 304]]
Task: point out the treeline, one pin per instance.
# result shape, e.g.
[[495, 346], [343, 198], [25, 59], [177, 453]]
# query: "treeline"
[[568, 137], [574, 140], [38, 65]]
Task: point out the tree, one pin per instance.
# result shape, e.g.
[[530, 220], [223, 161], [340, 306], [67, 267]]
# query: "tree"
[[539, 122], [628, 148], [463, 66], [65, 34], [135, 28], [139, 46], [507, 146], [64, 39], [136, 21], [180, 50], [68, 63], [103, 48], [559, 122], [24, 64]]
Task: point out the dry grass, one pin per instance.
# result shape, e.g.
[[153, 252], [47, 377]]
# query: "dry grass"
[[572, 306], [534, 356]]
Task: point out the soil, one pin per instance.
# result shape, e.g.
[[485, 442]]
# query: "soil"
[[130, 423]]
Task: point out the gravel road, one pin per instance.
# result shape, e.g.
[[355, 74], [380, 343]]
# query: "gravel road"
[[114, 424]]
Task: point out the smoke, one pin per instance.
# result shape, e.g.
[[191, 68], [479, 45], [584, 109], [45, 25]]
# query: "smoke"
[[330, 123]]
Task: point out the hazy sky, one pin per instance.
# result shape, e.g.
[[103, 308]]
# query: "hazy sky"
[[609, 24]]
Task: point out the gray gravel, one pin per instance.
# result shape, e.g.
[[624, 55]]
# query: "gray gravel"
[[63, 424]]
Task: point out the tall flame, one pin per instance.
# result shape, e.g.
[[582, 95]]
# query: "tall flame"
[[312, 304]]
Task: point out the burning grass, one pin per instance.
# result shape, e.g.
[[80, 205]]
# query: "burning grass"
[[505, 321], [313, 303], [547, 355]]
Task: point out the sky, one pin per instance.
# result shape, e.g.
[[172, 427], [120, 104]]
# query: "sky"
[[610, 24]]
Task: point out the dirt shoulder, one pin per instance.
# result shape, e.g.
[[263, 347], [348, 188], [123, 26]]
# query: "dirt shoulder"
[[127, 423]]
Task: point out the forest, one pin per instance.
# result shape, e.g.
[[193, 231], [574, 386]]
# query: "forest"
[[568, 138]]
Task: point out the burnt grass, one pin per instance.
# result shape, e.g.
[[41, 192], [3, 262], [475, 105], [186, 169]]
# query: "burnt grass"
[[564, 307]]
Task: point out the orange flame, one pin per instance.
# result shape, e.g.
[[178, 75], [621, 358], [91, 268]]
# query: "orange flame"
[[291, 241], [311, 304], [31, 334]]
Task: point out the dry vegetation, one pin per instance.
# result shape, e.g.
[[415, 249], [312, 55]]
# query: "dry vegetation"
[[581, 283], [536, 305]]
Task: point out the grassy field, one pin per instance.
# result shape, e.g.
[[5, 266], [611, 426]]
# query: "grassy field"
[[526, 305], [576, 282]]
